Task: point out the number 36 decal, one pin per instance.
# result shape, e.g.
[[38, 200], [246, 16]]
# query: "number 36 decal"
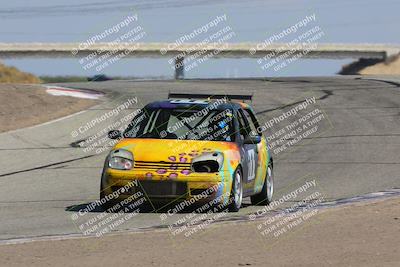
[[251, 165]]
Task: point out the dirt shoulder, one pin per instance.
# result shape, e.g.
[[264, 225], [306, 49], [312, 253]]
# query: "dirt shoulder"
[[391, 67], [27, 105], [365, 234]]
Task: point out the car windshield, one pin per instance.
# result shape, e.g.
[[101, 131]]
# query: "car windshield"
[[182, 124]]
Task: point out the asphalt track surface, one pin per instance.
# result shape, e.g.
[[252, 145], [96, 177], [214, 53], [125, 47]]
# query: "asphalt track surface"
[[44, 179]]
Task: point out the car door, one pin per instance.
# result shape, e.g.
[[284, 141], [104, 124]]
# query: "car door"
[[262, 155], [249, 154]]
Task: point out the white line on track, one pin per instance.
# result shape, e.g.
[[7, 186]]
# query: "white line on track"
[[79, 93]]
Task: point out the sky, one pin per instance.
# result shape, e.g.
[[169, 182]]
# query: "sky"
[[341, 21]]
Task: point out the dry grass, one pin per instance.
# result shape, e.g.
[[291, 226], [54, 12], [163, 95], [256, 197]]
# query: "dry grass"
[[13, 75], [391, 67]]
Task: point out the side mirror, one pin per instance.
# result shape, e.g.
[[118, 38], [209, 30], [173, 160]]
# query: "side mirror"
[[114, 134], [252, 140]]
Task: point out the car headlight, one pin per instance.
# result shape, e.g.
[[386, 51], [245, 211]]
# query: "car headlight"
[[208, 162], [121, 159]]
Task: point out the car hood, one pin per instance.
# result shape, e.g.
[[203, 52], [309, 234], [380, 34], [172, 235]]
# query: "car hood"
[[169, 150]]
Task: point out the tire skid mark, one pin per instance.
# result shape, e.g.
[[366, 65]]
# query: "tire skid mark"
[[46, 166]]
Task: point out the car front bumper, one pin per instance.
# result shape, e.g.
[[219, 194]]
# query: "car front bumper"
[[202, 187]]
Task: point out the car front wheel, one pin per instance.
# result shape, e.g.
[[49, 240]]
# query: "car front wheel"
[[236, 192]]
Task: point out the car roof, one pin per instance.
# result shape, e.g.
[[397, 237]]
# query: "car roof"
[[220, 104]]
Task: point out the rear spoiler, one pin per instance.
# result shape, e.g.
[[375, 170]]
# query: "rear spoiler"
[[209, 96]]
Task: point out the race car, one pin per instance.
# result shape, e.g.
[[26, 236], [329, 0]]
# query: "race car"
[[193, 148]]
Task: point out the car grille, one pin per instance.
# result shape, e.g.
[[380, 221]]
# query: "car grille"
[[163, 188], [199, 191], [157, 165]]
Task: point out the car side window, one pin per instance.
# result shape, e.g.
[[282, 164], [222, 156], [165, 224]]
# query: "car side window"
[[244, 129], [253, 123]]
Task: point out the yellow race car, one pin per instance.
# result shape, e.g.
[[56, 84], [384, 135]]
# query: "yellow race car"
[[191, 148]]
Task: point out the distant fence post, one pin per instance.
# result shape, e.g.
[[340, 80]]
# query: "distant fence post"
[[179, 68]]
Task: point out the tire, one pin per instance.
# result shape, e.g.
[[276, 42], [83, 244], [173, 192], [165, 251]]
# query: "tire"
[[265, 196], [109, 204], [236, 195]]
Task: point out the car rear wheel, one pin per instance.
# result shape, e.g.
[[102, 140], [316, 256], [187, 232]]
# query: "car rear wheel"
[[236, 192], [265, 196]]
